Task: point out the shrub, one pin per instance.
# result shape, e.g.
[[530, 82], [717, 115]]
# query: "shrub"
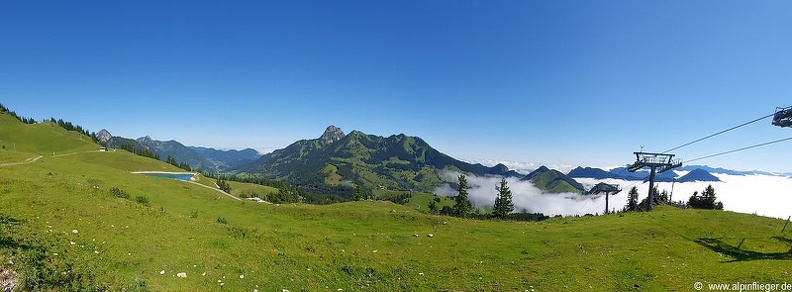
[[142, 200], [237, 232], [119, 193], [222, 220], [138, 285]]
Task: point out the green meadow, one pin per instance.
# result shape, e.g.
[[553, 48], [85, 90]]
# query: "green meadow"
[[63, 228]]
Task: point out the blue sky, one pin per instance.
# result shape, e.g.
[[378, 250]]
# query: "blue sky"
[[543, 82]]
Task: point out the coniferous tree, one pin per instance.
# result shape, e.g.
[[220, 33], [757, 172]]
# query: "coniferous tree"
[[224, 185], [503, 202], [185, 166], [462, 207], [695, 201], [632, 200], [358, 194], [706, 200], [663, 197], [172, 161], [432, 206]]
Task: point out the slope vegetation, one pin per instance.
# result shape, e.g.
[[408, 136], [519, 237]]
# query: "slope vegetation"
[[396, 162], [553, 181], [44, 138], [65, 226]]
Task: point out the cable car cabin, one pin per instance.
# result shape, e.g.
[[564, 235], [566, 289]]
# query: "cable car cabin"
[[783, 117]]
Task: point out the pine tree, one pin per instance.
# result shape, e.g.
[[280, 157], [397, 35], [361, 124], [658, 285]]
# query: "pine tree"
[[705, 200], [503, 202], [462, 206], [358, 194], [663, 197], [632, 200], [172, 161], [432, 206], [708, 197], [695, 201]]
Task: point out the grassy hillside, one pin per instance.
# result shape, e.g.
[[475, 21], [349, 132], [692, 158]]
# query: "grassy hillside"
[[360, 244], [251, 190], [42, 138], [418, 201], [553, 181], [395, 162], [62, 228]]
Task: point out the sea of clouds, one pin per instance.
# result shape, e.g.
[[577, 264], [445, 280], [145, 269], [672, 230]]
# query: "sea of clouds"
[[765, 195]]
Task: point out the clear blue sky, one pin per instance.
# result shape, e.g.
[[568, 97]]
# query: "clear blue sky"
[[546, 82]]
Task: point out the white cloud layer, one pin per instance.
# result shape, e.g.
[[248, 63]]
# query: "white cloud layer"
[[761, 194]]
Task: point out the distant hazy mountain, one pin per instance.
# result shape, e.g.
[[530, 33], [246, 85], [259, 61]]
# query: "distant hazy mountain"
[[177, 150], [394, 162], [697, 173], [201, 158], [103, 136], [723, 170], [227, 159], [553, 181], [591, 172], [118, 142]]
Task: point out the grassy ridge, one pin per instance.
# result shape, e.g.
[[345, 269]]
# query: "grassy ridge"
[[377, 246], [367, 244], [418, 200], [42, 138]]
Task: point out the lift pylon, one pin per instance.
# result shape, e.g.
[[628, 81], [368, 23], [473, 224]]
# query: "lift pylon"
[[607, 189], [658, 163], [783, 117]]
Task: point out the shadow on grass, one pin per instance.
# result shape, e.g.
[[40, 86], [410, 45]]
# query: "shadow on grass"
[[6, 241], [740, 255]]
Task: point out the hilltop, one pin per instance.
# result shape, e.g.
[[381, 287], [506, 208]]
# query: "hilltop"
[[553, 181], [395, 162]]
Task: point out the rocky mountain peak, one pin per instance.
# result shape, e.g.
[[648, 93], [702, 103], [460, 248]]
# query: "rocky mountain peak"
[[145, 140], [103, 136], [331, 135]]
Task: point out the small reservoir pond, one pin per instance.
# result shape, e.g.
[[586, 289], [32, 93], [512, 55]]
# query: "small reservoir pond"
[[179, 176]]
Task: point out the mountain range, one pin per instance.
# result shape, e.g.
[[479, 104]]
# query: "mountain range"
[[696, 173], [553, 181], [199, 158], [396, 162]]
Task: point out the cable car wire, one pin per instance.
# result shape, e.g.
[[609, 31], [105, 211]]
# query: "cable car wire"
[[740, 149], [718, 133]]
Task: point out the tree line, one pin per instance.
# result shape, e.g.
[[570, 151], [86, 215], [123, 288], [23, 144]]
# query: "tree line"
[[24, 120], [139, 151], [502, 209], [183, 165], [69, 126], [706, 200]]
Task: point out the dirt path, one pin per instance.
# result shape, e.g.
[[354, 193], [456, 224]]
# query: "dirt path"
[[73, 153], [219, 190], [195, 183], [27, 161]]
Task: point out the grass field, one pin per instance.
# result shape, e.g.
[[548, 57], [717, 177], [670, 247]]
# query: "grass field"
[[251, 190], [62, 228], [418, 200]]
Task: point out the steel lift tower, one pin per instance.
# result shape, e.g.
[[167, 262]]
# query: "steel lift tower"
[[783, 117], [607, 189], [658, 162]]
